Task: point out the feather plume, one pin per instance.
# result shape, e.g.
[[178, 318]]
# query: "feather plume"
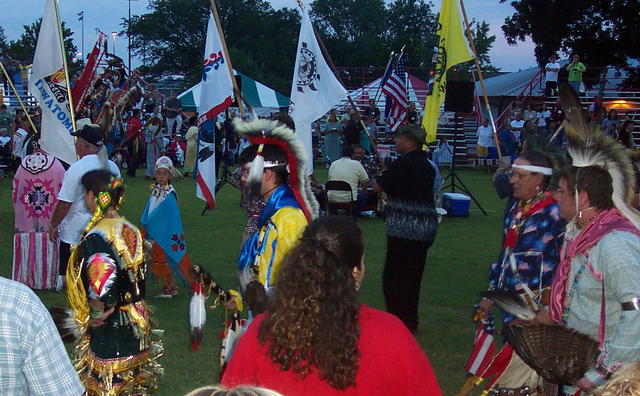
[[254, 180], [510, 302], [197, 319], [65, 323]]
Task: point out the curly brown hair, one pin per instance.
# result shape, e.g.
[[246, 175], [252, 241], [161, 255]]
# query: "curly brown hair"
[[312, 321]]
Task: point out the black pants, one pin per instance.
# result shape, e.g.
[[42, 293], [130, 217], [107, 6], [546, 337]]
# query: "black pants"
[[402, 276], [64, 252], [551, 88], [134, 159]]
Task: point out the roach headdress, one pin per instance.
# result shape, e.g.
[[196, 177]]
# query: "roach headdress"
[[588, 146], [272, 133]]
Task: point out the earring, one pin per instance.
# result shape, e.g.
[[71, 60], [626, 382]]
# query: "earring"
[[357, 285], [580, 215]]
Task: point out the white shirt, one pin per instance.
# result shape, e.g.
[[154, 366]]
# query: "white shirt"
[[18, 142], [517, 124], [543, 116], [158, 195], [72, 191], [552, 75], [485, 136], [351, 171]]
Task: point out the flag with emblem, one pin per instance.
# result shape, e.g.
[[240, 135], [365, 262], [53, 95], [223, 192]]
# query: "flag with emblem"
[[396, 90], [216, 96], [315, 89], [49, 86], [453, 48]]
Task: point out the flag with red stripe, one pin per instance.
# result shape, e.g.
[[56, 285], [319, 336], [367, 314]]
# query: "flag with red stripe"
[[396, 90], [483, 346], [80, 89], [216, 97]]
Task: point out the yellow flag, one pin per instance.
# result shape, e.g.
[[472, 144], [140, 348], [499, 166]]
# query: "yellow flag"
[[453, 48]]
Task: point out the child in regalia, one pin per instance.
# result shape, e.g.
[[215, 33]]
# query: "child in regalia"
[[115, 354], [163, 226]]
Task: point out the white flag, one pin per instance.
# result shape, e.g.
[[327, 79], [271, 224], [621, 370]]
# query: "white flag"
[[48, 84], [215, 97], [315, 89]]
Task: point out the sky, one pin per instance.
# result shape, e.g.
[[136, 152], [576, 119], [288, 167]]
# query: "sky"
[[107, 15]]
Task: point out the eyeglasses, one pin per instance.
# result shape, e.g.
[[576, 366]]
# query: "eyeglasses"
[[516, 176]]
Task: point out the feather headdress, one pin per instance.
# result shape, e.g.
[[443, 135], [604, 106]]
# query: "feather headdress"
[[590, 147], [273, 133]]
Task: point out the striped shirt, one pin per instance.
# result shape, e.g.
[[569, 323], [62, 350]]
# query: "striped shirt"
[[33, 360]]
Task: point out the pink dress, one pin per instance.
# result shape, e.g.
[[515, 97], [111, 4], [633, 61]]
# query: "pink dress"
[[35, 188]]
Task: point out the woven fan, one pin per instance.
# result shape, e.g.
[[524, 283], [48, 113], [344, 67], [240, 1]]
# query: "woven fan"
[[560, 355], [510, 302]]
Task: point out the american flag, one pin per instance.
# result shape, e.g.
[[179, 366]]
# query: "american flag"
[[483, 347], [396, 89]]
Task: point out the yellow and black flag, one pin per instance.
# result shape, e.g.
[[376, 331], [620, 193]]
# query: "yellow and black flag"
[[453, 48]]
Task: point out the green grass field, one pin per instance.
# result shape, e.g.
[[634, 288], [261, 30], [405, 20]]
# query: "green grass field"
[[456, 272]]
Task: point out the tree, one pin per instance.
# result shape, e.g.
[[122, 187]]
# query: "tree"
[[351, 30], [24, 48], [483, 42], [3, 40], [602, 32], [261, 40], [410, 23]]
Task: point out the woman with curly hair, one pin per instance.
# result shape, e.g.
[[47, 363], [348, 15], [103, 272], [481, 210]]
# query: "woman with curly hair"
[[316, 338]]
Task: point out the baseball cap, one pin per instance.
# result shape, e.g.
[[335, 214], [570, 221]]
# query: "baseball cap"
[[90, 134]]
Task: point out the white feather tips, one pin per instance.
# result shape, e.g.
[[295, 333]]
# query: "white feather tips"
[[197, 311]]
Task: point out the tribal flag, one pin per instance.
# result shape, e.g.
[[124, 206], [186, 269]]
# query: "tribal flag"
[[216, 97], [453, 48], [48, 84], [396, 90], [315, 89]]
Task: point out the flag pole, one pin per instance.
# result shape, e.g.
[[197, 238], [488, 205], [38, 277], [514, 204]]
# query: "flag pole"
[[66, 68], [327, 57], [24, 108], [385, 69], [236, 90], [481, 78]]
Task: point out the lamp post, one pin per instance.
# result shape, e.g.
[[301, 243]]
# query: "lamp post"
[[114, 35], [81, 19], [129, 32]]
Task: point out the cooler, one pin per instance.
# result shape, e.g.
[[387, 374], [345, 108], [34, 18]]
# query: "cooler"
[[456, 204]]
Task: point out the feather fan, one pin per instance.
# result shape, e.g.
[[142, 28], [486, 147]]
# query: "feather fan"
[[510, 302]]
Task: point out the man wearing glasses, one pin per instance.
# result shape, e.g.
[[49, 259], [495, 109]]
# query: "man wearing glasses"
[[533, 236]]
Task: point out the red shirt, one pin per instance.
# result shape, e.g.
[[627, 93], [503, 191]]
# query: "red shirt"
[[391, 363], [134, 126]]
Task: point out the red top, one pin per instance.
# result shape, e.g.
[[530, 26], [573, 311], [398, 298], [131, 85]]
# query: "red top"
[[133, 128], [391, 363]]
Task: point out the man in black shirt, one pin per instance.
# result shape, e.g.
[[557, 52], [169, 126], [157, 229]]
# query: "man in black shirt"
[[351, 131], [173, 107], [413, 117], [412, 223], [373, 111]]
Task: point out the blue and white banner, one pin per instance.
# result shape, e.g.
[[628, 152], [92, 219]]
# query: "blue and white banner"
[[48, 84]]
